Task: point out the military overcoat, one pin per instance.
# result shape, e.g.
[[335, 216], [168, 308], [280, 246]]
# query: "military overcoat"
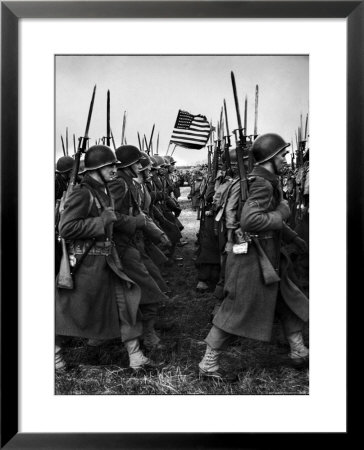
[[249, 304], [90, 309]]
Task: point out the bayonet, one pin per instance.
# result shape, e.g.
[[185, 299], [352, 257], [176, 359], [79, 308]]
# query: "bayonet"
[[108, 119], [227, 142], [63, 147], [256, 111]]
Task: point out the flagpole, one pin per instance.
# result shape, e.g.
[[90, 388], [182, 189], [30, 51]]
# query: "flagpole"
[[175, 145], [167, 148]]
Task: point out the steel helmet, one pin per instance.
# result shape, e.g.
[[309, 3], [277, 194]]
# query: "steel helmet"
[[233, 158], [99, 156], [145, 161], [160, 160], [167, 161], [266, 146], [128, 155], [64, 164], [154, 163], [170, 159]]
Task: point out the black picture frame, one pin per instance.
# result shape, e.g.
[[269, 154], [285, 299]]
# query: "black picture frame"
[[11, 12]]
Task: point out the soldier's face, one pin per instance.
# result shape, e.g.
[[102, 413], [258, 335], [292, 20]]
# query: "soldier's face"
[[108, 172], [136, 167], [280, 161], [171, 168]]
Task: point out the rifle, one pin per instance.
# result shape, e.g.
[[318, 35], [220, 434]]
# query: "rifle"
[[227, 143], [64, 279], [240, 143], [268, 272]]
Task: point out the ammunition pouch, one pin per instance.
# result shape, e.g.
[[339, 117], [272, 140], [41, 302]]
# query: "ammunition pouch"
[[98, 249]]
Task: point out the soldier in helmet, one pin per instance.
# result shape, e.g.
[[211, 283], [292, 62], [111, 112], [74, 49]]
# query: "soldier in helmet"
[[63, 171], [258, 271], [104, 302], [129, 231], [154, 235], [165, 209]]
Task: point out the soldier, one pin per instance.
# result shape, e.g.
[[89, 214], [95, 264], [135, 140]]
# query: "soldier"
[[104, 303], [253, 290], [63, 171], [194, 194], [132, 223]]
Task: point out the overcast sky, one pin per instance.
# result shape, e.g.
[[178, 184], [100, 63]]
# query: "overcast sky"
[[151, 89]]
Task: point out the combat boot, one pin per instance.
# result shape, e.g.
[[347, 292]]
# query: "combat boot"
[[299, 354], [210, 369], [137, 360], [59, 361]]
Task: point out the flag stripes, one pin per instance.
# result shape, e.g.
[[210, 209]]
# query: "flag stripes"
[[190, 131]]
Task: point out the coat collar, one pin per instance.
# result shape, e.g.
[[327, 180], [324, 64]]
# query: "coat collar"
[[259, 171], [87, 179]]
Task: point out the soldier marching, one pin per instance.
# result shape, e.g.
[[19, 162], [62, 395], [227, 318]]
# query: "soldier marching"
[[118, 226]]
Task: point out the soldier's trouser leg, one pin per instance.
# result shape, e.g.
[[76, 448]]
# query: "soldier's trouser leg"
[[217, 339]]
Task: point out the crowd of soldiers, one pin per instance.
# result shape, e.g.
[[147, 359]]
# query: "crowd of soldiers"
[[120, 226]]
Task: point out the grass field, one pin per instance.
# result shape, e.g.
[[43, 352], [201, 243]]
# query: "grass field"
[[263, 368]]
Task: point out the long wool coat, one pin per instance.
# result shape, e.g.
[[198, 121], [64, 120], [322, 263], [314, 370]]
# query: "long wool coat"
[[128, 236], [249, 305], [90, 309]]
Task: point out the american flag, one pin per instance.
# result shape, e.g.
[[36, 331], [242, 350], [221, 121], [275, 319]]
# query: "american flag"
[[190, 131]]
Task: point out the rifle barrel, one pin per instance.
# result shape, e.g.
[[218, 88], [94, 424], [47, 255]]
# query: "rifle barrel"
[[226, 119]]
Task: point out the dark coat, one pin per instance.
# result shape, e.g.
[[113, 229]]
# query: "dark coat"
[[90, 309], [249, 305], [129, 236]]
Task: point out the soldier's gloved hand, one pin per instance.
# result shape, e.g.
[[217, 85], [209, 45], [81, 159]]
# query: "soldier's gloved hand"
[[164, 241], [300, 244], [283, 209], [229, 247], [108, 216], [141, 220], [177, 212]]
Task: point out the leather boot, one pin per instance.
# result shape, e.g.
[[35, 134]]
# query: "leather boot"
[[209, 367], [137, 360], [59, 361], [299, 353]]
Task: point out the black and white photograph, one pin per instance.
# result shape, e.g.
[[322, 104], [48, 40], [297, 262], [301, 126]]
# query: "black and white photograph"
[[181, 224]]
